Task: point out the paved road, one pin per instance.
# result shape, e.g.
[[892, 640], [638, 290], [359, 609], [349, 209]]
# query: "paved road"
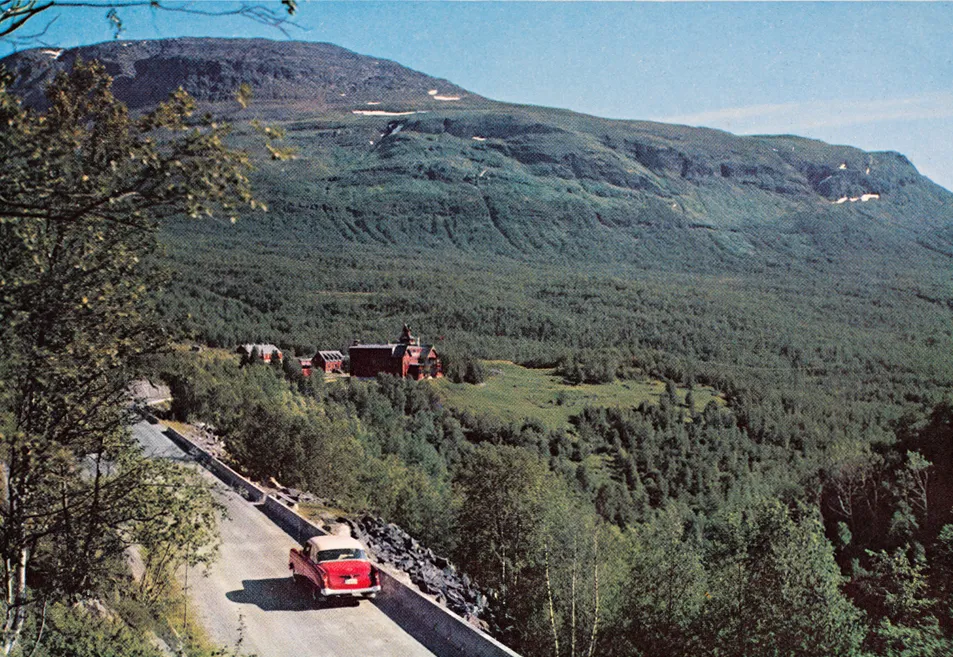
[[250, 587]]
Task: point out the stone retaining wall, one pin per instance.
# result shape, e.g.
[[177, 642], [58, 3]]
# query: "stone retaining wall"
[[245, 488], [294, 524], [440, 630]]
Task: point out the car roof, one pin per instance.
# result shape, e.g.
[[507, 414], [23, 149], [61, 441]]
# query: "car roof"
[[335, 543]]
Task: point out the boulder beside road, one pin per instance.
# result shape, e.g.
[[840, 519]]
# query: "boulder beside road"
[[431, 573]]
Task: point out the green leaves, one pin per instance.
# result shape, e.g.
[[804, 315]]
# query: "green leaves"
[[82, 191], [177, 525], [553, 567], [274, 134], [243, 95], [906, 616], [665, 588]]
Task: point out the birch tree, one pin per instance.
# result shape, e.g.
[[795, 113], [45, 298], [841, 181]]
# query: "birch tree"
[[553, 568], [83, 189]]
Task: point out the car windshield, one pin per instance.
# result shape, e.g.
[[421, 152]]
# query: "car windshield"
[[339, 554]]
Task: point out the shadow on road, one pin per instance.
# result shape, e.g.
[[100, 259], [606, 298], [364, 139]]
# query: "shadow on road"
[[281, 594]]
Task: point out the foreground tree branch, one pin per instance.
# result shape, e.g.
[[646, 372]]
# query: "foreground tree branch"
[[15, 15]]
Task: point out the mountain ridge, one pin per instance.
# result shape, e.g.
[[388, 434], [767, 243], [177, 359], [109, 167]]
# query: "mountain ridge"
[[391, 156], [210, 69]]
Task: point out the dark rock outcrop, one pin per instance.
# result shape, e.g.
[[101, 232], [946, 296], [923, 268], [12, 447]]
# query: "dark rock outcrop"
[[431, 573]]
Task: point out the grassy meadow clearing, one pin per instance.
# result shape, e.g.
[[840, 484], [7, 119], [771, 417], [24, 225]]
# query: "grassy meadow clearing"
[[513, 392]]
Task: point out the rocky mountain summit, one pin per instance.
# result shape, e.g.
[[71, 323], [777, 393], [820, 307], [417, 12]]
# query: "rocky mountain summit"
[[318, 75]]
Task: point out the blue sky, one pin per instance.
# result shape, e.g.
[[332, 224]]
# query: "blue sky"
[[875, 75]]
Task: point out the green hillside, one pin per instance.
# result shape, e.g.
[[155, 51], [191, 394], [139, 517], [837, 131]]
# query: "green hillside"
[[545, 184], [394, 158]]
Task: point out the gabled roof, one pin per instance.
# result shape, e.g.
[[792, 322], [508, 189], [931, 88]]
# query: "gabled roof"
[[409, 347], [398, 350], [331, 355]]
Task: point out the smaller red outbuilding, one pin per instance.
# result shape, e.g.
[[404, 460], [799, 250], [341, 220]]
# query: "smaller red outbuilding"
[[329, 361]]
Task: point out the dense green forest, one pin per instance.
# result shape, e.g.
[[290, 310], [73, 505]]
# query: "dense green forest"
[[760, 528], [809, 515]]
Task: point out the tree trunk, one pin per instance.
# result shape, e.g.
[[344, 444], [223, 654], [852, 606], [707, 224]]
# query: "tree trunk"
[[16, 601], [552, 608], [595, 606]]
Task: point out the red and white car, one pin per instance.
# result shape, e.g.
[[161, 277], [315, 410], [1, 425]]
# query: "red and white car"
[[334, 566]]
